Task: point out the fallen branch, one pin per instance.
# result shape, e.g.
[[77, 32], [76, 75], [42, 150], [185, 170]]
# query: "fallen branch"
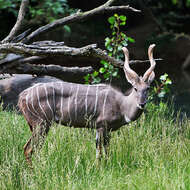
[[50, 49], [16, 64], [51, 70], [36, 50]]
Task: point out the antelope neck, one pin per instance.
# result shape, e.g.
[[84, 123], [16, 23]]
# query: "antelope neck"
[[129, 107]]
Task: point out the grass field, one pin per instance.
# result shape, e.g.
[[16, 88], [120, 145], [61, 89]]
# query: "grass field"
[[152, 153]]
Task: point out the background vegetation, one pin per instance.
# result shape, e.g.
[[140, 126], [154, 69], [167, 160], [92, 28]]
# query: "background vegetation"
[[151, 153], [170, 15], [39, 13], [42, 11]]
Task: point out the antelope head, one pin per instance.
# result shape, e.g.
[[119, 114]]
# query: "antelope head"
[[140, 84]]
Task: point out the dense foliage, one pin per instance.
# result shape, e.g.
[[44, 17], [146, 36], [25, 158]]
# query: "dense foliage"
[[41, 11], [173, 15]]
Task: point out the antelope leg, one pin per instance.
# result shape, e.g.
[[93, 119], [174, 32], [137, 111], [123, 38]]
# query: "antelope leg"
[[99, 138], [35, 141], [106, 138], [28, 151]]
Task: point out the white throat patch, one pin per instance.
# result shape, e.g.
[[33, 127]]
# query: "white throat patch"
[[127, 119], [140, 107]]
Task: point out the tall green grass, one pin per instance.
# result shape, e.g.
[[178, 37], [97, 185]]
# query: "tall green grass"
[[151, 153]]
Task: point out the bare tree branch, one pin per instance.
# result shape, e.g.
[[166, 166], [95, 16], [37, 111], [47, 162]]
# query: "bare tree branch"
[[79, 16], [109, 2], [25, 58], [21, 36], [19, 22], [119, 8]]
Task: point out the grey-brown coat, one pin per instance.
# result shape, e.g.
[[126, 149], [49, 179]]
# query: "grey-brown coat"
[[89, 106]]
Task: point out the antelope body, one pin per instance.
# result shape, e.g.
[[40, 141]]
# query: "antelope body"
[[85, 106]]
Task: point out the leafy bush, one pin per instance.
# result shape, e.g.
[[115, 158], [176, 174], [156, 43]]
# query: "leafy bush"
[[114, 46], [44, 10], [162, 87]]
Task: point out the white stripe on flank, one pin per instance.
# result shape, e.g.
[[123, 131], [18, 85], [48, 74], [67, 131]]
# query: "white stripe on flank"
[[48, 100], [27, 97], [104, 104], [86, 99], [76, 101], [40, 104], [96, 101], [32, 100], [34, 114], [61, 107], [71, 87], [53, 97]]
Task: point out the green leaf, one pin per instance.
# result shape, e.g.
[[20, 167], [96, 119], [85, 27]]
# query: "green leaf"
[[96, 80], [86, 78], [115, 73], [106, 76], [161, 94], [110, 54], [107, 41], [111, 67], [116, 25], [95, 73], [102, 70], [163, 77], [111, 20], [116, 15], [119, 48], [122, 23], [168, 81], [123, 35], [39, 12], [109, 48], [67, 28], [105, 63], [51, 19], [131, 39], [123, 18], [124, 43]]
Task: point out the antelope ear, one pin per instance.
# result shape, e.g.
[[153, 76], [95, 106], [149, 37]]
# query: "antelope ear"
[[150, 78]]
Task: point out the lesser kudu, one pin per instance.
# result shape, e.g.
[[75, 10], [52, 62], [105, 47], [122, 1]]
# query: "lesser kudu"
[[73, 104]]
